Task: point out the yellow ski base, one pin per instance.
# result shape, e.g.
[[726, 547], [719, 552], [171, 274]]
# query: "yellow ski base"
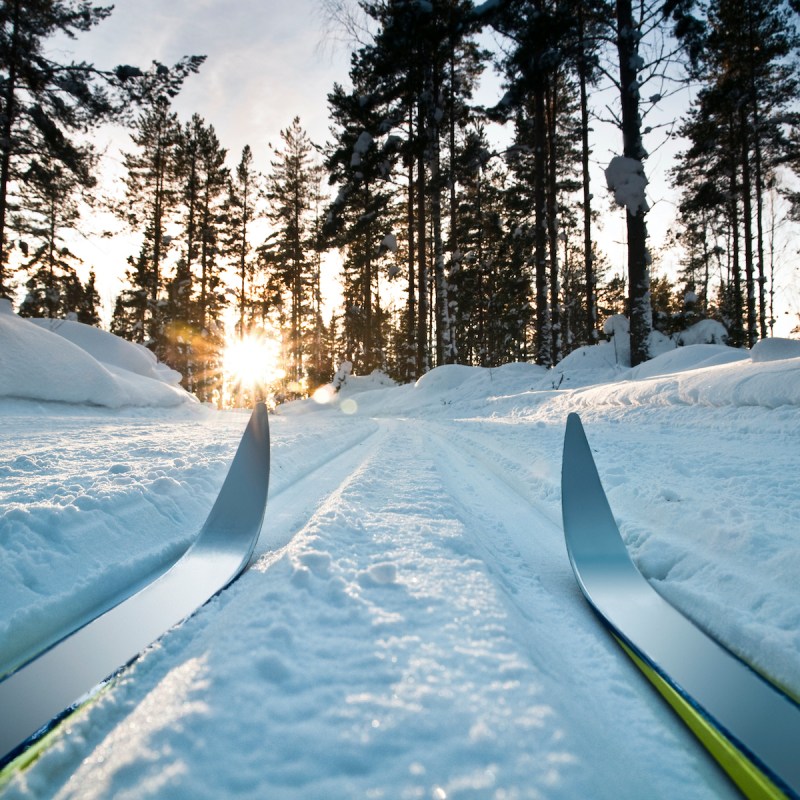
[[753, 783]]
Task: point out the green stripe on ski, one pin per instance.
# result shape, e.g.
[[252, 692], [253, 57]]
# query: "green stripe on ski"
[[746, 775], [30, 755]]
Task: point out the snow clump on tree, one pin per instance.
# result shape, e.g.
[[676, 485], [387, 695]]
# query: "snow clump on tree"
[[625, 177]]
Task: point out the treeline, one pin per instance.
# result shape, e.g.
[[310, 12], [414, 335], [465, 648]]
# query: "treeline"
[[451, 251]]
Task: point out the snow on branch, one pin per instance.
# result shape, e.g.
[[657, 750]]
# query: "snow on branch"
[[360, 148], [625, 177]]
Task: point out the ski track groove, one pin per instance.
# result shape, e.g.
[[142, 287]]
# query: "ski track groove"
[[292, 506]]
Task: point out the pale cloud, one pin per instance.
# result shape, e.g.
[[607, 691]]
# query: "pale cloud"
[[264, 65]]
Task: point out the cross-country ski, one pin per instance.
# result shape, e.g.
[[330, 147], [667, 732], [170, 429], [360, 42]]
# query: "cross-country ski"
[[750, 726], [40, 690]]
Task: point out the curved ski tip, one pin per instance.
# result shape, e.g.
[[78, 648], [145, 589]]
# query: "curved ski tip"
[[260, 410], [574, 435], [574, 421], [259, 421]]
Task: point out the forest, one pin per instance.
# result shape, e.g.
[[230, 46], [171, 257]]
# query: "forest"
[[453, 249]]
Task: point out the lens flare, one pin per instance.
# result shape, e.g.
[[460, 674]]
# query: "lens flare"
[[251, 362]]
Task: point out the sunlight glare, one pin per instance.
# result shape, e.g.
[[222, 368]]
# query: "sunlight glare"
[[251, 362]]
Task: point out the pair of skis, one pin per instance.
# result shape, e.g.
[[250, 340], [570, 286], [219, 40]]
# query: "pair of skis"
[[749, 726]]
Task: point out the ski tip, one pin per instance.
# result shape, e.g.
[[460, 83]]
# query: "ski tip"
[[259, 423], [574, 423], [574, 438]]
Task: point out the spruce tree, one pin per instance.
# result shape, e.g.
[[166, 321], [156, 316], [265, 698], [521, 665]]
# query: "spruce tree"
[[42, 103], [288, 250], [89, 305], [240, 212], [48, 208], [151, 203], [359, 161]]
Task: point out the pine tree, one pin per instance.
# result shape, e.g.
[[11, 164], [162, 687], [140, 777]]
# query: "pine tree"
[[48, 208], [493, 279], [46, 105], [151, 205], [584, 57], [240, 213], [211, 299], [361, 217], [416, 77], [88, 308], [290, 190], [750, 86], [42, 103], [535, 70]]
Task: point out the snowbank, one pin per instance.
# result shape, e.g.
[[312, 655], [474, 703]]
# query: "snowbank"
[[111, 350], [68, 362], [775, 349]]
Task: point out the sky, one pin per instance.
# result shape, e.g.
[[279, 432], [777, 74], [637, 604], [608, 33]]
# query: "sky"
[[269, 61], [266, 61]]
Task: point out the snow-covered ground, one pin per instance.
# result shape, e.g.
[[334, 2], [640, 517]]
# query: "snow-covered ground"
[[409, 626]]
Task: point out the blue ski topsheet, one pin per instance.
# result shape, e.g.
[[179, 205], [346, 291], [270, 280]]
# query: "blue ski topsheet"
[[42, 689], [761, 721]]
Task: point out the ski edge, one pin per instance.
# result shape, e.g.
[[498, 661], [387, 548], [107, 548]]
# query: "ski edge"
[[751, 780]]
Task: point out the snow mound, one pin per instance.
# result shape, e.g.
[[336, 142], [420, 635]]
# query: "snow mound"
[[682, 359], [37, 364], [356, 384], [444, 378], [775, 350], [707, 331], [592, 364], [111, 350], [734, 382]]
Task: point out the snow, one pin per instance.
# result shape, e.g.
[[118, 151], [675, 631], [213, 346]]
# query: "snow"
[[360, 148], [626, 179], [776, 349], [111, 350], [69, 362], [410, 626], [389, 243], [486, 7]]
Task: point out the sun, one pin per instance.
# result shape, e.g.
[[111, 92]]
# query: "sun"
[[251, 363]]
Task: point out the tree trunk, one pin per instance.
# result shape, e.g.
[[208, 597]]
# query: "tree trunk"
[[411, 307], [747, 222], [552, 223], [444, 335], [9, 116], [543, 337], [588, 259], [737, 328], [422, 269], [641, 318]]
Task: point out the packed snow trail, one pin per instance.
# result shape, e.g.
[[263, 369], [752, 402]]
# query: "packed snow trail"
[[419, 636]]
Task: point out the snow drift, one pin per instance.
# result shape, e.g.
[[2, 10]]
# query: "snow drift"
[[69, 362]]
